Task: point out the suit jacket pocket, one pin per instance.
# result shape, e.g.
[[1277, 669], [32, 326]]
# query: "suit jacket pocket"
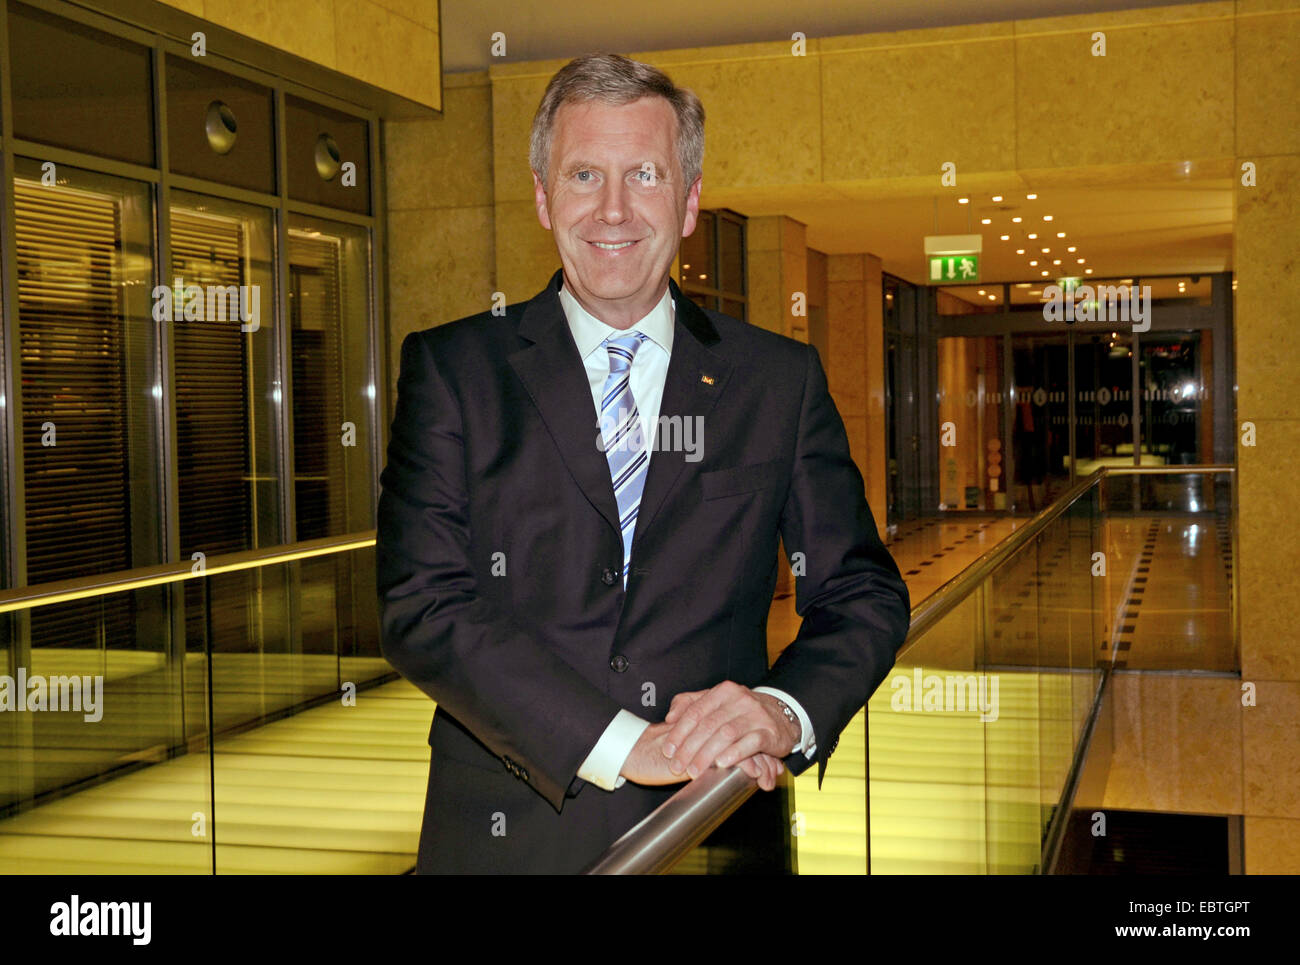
[[742, 479]]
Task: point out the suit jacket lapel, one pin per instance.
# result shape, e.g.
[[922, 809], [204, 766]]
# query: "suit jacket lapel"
[[553, 373], [695, 381]]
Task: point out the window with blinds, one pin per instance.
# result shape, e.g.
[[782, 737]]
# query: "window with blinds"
[[332, 413], [315, 317], [333, 390], [212, 392], [224, 388], [75, 348]]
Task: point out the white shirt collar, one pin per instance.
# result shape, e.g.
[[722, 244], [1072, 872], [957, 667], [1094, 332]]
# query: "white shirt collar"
[[589, 332]]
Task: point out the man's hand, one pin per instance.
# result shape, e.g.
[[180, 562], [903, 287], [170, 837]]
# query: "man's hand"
[[725, 725], [648, 764]]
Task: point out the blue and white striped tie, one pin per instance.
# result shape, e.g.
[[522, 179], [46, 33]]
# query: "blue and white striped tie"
[[622, 438]]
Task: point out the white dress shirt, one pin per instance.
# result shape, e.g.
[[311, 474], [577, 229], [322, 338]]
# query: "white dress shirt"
[[649, 371]]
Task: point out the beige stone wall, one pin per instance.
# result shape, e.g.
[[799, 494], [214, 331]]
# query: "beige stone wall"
[[441, 226], [776, 254], [392, 44], [855, 367], [1267, 253]]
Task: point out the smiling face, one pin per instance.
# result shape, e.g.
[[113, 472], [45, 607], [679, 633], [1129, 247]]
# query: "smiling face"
[[616, 204]]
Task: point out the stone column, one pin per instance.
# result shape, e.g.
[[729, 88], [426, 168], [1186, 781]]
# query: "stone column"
[[855, 367]]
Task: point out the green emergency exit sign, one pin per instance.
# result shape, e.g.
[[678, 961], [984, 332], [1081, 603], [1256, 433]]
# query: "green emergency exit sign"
[[954, 268]]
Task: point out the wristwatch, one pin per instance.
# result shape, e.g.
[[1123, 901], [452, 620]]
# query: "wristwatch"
[[790, 716]]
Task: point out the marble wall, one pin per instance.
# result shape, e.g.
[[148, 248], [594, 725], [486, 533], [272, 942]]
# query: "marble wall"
[[392, 44], [441, 222]]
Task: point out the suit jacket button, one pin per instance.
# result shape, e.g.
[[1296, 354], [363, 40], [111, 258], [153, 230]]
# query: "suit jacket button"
[[618, 663], [608, 577], [523, 774]]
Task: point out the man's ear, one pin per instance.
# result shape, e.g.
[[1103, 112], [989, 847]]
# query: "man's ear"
[[539, 198], [692, 208]]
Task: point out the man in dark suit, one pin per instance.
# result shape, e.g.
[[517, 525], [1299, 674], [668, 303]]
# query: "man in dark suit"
[[581, 510]]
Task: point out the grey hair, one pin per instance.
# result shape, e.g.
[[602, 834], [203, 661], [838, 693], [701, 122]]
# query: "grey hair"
[[614, 79]]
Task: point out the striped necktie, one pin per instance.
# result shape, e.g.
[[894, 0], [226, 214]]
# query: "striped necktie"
[[622, 438]]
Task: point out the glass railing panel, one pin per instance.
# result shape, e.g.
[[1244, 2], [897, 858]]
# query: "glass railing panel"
[[1089, 625], [1064, 592], [977, 783], [109, 652], [215, 672], [1012, 749], [299, 791], [354, 592], [254, 669], [829, 824], [97, 778], [1171, 570], [927, 757], [1082, 828]]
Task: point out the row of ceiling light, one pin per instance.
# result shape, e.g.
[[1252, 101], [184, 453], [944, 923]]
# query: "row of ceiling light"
[[1064, 265]]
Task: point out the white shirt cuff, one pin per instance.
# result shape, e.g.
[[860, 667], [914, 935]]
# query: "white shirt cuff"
[[606, 759], [808, 741]]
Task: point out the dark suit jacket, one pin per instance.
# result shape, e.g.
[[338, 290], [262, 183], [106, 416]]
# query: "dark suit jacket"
[[499, 552]]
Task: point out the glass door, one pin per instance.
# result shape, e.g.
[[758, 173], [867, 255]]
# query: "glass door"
[[1040, 417]]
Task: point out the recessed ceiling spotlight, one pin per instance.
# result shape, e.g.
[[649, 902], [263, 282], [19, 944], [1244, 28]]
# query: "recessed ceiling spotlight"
[[1031, 197], [1060, 234], [1047, 217], [1087, 271], [1006, 237], [997, 198], [1033, 264], [1015, 220], [986, 220], [1020, 251], [1072, 248], [1031, 236], [963, 200]]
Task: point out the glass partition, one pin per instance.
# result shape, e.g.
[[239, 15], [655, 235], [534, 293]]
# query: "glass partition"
[[112, 767], [90, 427], [976, 734], [973, 732], [1173, 603]]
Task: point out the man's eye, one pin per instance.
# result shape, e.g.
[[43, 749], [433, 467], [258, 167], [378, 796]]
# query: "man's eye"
[[583, 176]]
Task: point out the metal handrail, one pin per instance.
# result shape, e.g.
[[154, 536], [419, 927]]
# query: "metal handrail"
[[669, 832], [99, 584], [664, 836]]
